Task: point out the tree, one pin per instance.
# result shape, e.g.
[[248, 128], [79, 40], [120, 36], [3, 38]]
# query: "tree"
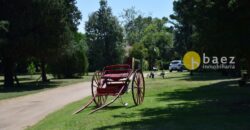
[[138, 51], [157, 38], [37, 28], [51, 39], [149, 37], [13, 44], [73, 61], [4, 25], [134, 25], [104, 38], [31, 69], [184, 27], [204, 25]]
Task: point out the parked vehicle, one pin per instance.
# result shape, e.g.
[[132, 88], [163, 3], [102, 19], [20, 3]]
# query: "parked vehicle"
[[176, 65]]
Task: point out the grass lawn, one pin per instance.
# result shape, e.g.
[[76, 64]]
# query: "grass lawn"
[[29, 85], [204, 101]]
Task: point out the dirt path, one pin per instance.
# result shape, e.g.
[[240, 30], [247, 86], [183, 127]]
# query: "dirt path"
[[18, 113]]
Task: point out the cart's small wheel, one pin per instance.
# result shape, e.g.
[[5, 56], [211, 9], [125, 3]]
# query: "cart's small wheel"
[[97, 82], [138, 87]]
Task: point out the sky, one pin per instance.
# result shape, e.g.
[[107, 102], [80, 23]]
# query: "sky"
[[154, 8]]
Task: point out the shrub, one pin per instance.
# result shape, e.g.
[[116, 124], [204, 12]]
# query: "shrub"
[[71, 63]]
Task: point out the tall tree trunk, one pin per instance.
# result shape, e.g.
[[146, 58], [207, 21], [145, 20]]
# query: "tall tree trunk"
[[16, 79], [44, 77], [191, 73], [8, 73]]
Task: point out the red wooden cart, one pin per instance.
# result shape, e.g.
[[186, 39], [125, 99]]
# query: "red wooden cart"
[[114, 81]]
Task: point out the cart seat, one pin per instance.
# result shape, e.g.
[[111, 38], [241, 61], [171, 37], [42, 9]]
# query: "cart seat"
[[116, 76], [119, 66], [117, 72]]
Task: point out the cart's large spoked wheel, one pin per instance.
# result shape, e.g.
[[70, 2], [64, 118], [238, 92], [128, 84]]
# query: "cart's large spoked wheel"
[[138, 87], [97, 82]]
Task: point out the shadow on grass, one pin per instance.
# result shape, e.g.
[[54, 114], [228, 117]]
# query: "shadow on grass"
[[204, 76], [221, 105], [199, 76], [20, 79], [110, 108], [31, 86]]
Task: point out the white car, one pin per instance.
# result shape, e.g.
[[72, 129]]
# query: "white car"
[[175, 65]]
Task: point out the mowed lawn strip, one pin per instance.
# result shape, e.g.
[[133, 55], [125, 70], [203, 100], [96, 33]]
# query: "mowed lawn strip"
[[204, 101], [29, 85]]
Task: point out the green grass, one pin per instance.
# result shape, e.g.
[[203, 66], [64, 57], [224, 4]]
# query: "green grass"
[[202, 102], [29, 85]]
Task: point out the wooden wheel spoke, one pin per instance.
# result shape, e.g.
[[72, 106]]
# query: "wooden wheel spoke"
[[98, 100], [138, 80], [140, 95], [94, 92], [141, 98], [135, 87], [137, 98], [136, 83], [95, 77], [142, 91], [103, 99], [135, 79], [96, 81], [138, 86]]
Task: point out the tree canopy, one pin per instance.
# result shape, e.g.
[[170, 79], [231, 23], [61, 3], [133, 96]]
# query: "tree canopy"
[[104, 38], [206, 26], [36, 29], [150, 38]]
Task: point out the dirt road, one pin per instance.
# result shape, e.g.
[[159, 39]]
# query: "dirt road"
[[18, 113]]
